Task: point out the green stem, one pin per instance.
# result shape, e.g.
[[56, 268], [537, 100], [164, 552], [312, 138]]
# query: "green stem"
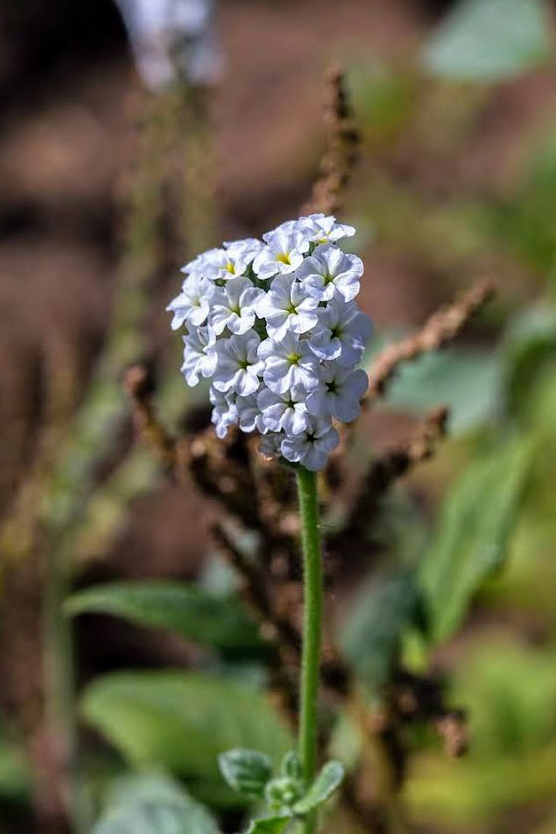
[[61, 692], [312, 620]]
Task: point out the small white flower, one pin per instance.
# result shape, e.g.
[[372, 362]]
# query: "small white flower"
[[312, 447], [329, 271], [342, 332], [192, 304], [245, 248], [286, 411], [288, 362], [288, 227], [199, 356], [322, 228], [238, 365], [283, 252], [232, 261], [249, 414], [202, 262], [224, 412], [233, 306], [173, 41], [339, 394], [287, 307]]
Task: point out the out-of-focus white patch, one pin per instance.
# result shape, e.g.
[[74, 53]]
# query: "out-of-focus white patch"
[[172, 40]]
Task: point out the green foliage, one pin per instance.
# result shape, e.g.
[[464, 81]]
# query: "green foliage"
[[282, 793], [15, 777], [510, 690], [286, 797], [153, 804], [511, 694], [384, 100], [291, 766], [529, 343], [182, 608], [489, 40], [473, 533], [182, 722], [469, 382], [526, 220], [246, 771], [381, 612], [326, 782], [269, 825]]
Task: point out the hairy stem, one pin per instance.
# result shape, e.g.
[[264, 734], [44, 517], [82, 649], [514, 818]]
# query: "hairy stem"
[[312, 620]]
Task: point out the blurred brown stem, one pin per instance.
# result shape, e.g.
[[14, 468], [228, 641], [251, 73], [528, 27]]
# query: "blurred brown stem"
[[442, 327]]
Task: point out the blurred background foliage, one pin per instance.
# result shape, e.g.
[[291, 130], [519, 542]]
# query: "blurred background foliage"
[[457, 180]]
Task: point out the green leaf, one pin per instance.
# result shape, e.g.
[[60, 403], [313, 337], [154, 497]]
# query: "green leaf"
[[269, 825], [291, 766], [468, 382], [510, 691], [489, 40], [179, 607], [380, 613], [328, 780], [147, 804], [246, 771], [182, 721], [508, 687], [529, 345], [475, 526]]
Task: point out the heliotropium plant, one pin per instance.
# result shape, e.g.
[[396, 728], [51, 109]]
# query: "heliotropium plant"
[[274, 326]]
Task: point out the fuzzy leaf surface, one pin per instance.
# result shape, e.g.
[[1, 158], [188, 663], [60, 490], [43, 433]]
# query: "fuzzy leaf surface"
[[180, 607], [246, 771], [474, 531], [153, 805], [327, 781], [182, 721]]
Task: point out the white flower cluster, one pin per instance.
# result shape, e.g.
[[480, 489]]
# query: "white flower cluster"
[[172, 40], [275, 327]]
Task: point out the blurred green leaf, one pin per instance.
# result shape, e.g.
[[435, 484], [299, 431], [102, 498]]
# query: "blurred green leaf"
[[383, 98], [269, 825], [468, 382], [529, 341], [246, 771], [182, 721], [291, 766], [489, 40], [327, 781], [179, 607], [526, 221], [509, 690], [475, 525], [15, 774], [529, 351], [471, 792], [379, 614], [153, 804]]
